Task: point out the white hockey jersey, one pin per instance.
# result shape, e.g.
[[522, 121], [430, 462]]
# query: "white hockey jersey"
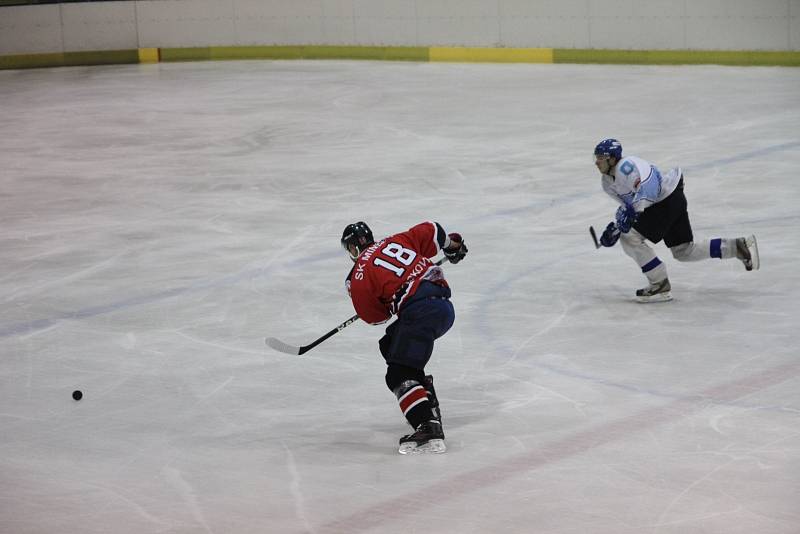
[[638, 183]]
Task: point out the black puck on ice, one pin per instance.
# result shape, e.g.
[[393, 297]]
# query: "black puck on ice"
[[77, 394]]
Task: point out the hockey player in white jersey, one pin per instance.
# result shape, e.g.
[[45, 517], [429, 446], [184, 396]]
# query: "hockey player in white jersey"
[[652, 208]]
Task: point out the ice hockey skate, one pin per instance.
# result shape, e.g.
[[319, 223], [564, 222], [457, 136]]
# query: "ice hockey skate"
[[747, 252], [656, 292], [437, 414], [427, 439]]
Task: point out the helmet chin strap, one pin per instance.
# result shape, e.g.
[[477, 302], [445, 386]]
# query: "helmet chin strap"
[[610, 170], [353, 256]]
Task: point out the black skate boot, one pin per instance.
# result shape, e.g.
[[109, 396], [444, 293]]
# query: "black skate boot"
[[428, 438], [747, 252], [437, 413], [655, 292]]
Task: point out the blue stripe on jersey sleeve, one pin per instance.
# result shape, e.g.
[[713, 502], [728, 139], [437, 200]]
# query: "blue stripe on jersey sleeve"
[[627, 199], [650, 188]]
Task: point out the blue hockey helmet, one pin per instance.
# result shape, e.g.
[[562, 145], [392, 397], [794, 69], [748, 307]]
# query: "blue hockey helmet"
[[357, 235], [610, 148]]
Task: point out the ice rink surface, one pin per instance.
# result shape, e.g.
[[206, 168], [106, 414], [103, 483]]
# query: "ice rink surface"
[[159, 221]]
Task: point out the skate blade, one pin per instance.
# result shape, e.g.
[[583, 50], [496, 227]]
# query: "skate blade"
[[752, 246], [434, 446], [659, 297]]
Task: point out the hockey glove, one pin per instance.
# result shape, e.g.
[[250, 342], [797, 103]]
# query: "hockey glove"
[[457, 254], [610, 235], [626, 218]]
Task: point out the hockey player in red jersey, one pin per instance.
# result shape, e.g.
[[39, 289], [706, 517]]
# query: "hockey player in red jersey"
[[396, 276]]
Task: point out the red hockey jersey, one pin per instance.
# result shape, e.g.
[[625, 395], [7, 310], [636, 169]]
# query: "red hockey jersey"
[[388, 272]]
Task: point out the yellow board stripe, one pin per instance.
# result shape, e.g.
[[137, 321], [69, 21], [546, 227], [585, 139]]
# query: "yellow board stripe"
[[148, 55], [492, 55], [402, 53]]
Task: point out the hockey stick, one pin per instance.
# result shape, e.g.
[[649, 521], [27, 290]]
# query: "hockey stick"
[[594, 237], [289, 349], [280, 346]]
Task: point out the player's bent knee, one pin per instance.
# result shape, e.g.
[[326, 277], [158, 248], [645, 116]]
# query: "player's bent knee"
[[396, 374], [682, 252], [632, 238]]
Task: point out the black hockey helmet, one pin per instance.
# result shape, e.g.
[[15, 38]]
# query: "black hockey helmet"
[[359, 236]]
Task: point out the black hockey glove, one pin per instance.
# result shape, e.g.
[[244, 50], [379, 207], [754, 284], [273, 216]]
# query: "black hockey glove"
[[610, 235], [455, 256]]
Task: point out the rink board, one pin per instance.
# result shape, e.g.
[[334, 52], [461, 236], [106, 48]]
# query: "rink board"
[[400, 53]]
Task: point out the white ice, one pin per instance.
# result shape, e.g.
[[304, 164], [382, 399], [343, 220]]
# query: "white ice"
[[159, 221]]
